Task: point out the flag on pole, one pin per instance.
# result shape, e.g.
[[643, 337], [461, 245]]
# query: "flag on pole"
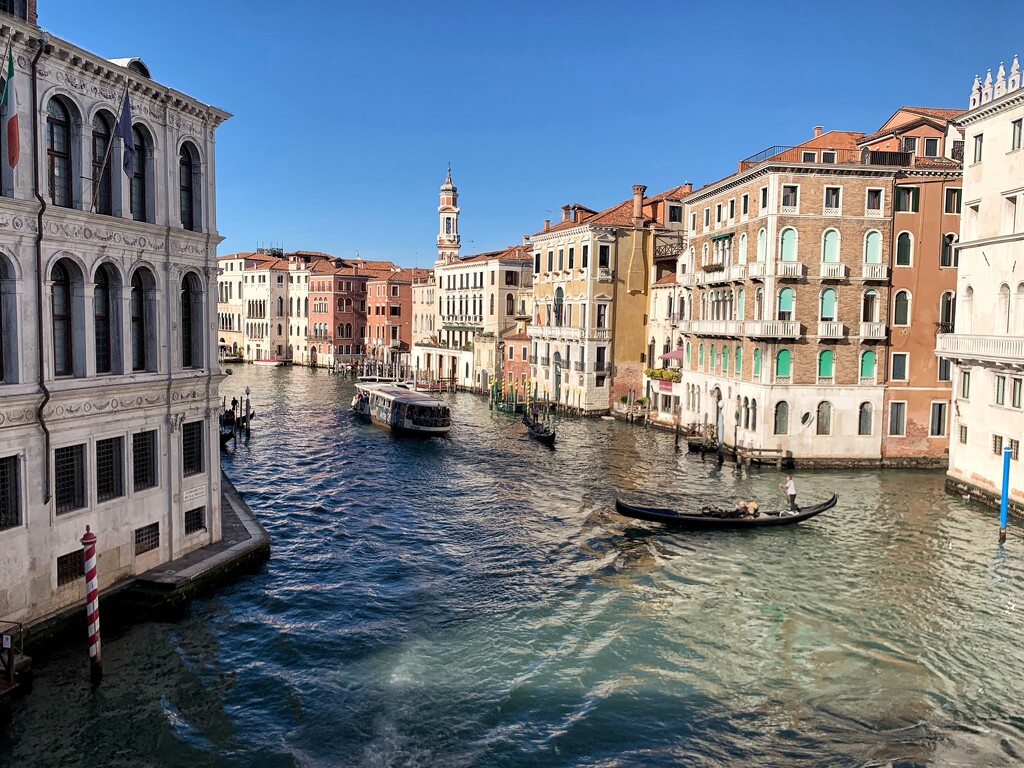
[[10, 107], [124, 132]]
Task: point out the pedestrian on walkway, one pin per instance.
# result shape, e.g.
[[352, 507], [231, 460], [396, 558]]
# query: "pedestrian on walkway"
[[790, 488]]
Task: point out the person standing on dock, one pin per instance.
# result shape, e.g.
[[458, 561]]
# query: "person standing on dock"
[[790, 488]]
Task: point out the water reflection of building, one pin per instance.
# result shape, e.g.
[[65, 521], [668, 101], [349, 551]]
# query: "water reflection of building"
[[987, 344], [108, 353]]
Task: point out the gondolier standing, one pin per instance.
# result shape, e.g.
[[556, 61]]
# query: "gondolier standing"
[[790, 488]]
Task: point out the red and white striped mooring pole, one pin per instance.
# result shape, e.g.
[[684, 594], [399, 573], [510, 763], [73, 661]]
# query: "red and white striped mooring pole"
[[92, 606]]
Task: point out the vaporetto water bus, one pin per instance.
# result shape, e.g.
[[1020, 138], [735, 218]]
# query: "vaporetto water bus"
[[402, 410]]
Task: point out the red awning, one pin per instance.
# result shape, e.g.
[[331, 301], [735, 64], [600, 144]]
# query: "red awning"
[[675, 354]]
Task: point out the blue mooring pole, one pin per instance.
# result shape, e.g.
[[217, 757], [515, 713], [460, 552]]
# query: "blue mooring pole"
[[1006, 494]]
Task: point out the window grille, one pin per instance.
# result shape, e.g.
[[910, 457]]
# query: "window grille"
[[997, 444], [109, 468], [963, 434], [69, 478], [10, 508], [147, 538], [192, 448], [195, 520], [70, 567]]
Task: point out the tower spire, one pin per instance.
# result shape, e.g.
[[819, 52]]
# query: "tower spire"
[[448, 239]]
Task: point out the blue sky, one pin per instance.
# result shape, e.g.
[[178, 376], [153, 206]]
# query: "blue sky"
[[346, 113]]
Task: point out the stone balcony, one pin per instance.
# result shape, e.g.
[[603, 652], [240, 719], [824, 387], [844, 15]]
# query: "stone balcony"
[[833, 270], [876, 271], [1001, 350], [757, 269], [790, 270], [830, 329], [772, 329], [872, 330], [715, 327]]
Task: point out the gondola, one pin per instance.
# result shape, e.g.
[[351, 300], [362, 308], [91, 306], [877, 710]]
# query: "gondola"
[[711, 518], [542, 433]]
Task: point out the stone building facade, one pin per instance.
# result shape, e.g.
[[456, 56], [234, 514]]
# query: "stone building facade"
[[109, 394]]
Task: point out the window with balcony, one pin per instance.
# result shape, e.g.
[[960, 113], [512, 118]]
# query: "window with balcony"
[[948, 255], [897, 419], [827, 306], [873, 206], [781, 418], [824, 418], [602, 315], [867, 364], [604, 256], [978, 142], [864, 419], [762, 245], [907, 199], [787, 244], [900, 365], [869, 307], [833, 204], [901, 308]]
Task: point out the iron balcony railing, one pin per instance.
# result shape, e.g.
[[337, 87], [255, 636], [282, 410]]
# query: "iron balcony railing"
[[820, 156]]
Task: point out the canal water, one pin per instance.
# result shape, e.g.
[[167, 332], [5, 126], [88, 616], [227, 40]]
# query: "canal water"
[[476, 601]]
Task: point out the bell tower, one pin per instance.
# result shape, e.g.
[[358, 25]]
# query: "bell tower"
[[448, 222]]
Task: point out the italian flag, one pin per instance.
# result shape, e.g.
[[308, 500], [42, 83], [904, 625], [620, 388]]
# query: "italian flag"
[[10, 107]]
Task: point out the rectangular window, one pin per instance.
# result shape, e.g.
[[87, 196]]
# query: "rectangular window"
[[602, 315], [808, 157], [693, 221], [707, 216], [1009, 214], [954, 198], [907, 199], [561, 259], [828, 156], [395, 311], [977, 147], [109, 468], [551, 260], [997, 444], [195, 520], [832, 198], [963, 434], [583, 256], [899, 366], [764, 198], [675, 214], [192, 448], [931, 147], [147, 538], [965, 385], [572, 255], [1000, 390], [789, 196], [604, 256], [875, 200], [897, 419], [1014, 448], [1015, 387], [732, 209], [69, 478], [718, 213], [910, 144], [945, 369], [937, 426], [70, 568], [745, 204], [1015, 130], [10, 496]]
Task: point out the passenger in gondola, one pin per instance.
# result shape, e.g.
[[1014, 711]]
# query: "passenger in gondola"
[[747, 509]]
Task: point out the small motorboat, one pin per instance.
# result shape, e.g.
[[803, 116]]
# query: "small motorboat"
[[268, 362], [539, 431], [715, 518]]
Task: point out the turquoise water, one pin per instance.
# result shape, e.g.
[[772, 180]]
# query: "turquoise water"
[[476, 601]]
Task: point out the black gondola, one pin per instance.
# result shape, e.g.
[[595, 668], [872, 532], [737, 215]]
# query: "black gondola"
[[542, 433], [712, 518]]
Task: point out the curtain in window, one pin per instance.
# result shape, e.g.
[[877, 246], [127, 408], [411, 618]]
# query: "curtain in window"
[[873, 248], [787, 244], [830, 246], [828, 304], [782, 363]]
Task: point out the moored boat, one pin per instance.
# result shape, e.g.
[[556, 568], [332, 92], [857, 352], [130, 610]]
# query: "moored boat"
[[268, 362], [713, 518], [402, 410]]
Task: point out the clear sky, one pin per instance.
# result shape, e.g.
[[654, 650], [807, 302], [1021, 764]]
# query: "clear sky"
[[347, 112]]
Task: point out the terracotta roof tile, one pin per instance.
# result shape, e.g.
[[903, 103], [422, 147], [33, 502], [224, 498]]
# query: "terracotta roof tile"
[[668, 279]]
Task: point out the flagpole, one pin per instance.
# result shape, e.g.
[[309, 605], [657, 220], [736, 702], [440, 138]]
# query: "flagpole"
[[110, 144]]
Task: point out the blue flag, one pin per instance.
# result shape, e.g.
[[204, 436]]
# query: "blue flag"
[[124, 132]]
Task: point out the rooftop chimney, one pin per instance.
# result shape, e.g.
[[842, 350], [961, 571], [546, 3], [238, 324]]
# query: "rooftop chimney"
[[638, 201], [526, 239], [565, 212], [547, 224], [818, 129], [687, 188]]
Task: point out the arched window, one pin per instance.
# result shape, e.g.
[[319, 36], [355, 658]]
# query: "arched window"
[[103, 321], [782, 363], [824, 418], [742, 250], [713, 358], [687, 354], [348, 330], [787, 244], [948, 257], [826, 364], [9, 347], [559, 300], [188, 187], [947, 309], [740, 301], [901, 308], [63, 317], [873, 248], [725, 360], [1003, 309], [753, 414], [745, 413], [143, 320], [762, 245], [869, 307], [904, 246], [278, 329], [103, 199], [280, 306], [700, 357], [828, 305], [757, 362], [830, 246], [1018, 313], [510, 304], [704, 255], [864, 419], [140, 181], [786, 296], [58, 153], [781, 418], [191, 322], [759, 304], [867, 364], [492, 304]]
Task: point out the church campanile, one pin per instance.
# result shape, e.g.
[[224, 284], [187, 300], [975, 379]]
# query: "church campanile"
[[448, 222]]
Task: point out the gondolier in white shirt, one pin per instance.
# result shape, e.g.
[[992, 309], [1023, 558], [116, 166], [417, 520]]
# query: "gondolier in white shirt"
[[790, 488]]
